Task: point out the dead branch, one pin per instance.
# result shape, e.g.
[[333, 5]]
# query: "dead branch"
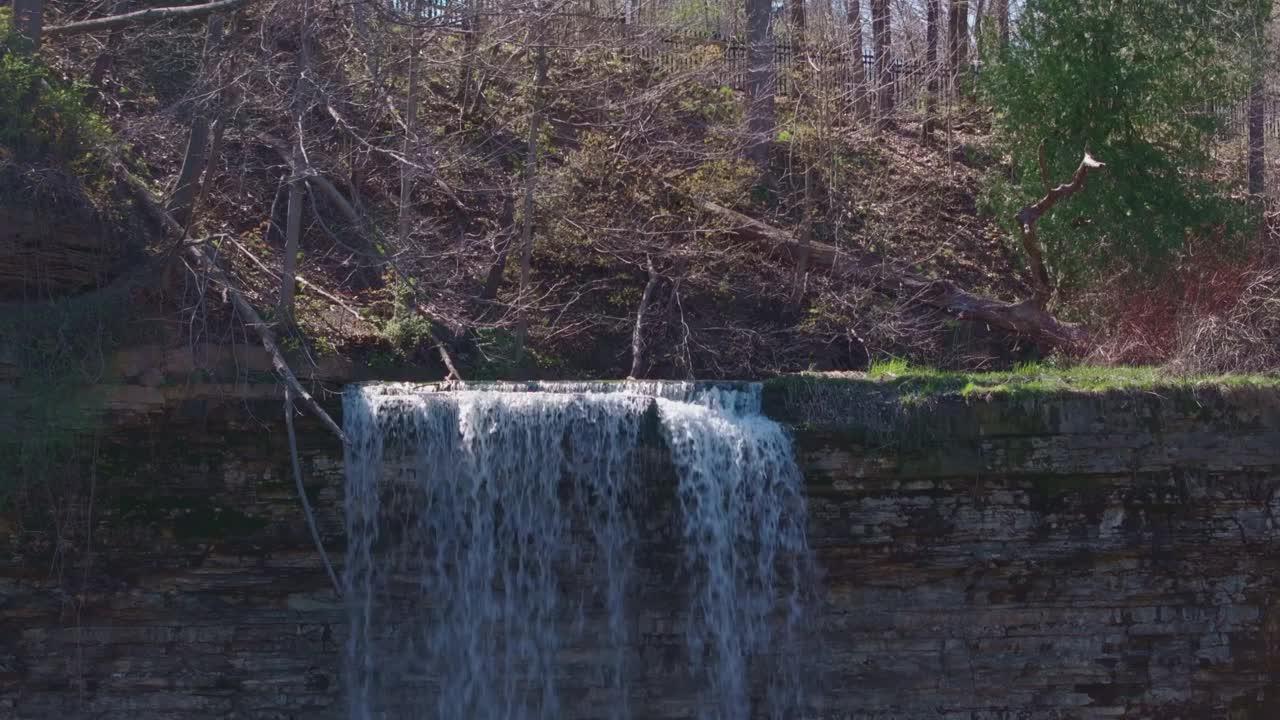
[[302, 492], [150, 15], [301, 280], [246, 310], [398, 157], [1028, 216], [1024, 318]]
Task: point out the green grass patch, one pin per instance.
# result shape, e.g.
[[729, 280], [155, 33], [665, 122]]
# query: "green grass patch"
[[916, 384]]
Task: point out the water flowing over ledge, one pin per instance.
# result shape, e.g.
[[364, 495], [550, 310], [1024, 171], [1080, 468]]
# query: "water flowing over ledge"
[[504, 534]]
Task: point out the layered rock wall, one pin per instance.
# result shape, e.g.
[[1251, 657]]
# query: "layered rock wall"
[[1017, 556]]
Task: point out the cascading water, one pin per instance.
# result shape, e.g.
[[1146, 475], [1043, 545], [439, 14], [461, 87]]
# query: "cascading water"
[[500, 535]]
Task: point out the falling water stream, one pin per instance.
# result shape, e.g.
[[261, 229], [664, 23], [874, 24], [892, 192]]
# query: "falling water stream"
[[505, 542]]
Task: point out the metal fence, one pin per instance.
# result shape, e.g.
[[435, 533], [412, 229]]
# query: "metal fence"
[[831, 72], [1233, 118]]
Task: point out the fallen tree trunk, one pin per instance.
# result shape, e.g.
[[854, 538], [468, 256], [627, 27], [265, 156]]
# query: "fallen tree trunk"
[[1024, 318], [149, 15], [196, 252]]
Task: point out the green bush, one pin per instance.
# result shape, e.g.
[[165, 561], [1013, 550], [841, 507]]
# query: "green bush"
[[1131, 80], [406, 330], [42, 117]]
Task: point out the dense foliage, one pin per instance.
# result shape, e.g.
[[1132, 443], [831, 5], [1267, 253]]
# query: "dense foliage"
[[1134, 82], [41, 116]]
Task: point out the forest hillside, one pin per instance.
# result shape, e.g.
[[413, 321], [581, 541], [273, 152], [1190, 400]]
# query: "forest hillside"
[[667, 189]]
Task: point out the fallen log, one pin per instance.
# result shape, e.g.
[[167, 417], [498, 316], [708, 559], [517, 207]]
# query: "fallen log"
[[138, 17], [1023, 318]]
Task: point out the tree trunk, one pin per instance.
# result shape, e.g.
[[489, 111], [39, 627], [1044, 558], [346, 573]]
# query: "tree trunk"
[[541, 61], [858, 51], [1030, 214], [760, 111], [28, 20], [297, 180], [978, 11], [1257, 140], [410, 144], [470, 40], [181, 203], [799, 50], [1024, 318], [958, 28], [882, 31], [1002, 17], [806, 238], [637, 333], [933, 11], [796, 9], [107, 56], [493, 282]]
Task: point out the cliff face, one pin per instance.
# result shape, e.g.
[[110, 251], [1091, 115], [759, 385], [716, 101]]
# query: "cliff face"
[[55, 240], [1103, 555]]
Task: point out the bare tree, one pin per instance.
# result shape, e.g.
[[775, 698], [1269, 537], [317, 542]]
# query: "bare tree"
[[541, 63], [1257, 161], [410, 138], [882, 30], [637, 334], [297, 165], [181, 202], [1257, 155], [760, 88], [979, 9], [933, 12], [798, 49], [958, 28], [1030, 214], [857, 50], [140, 17]]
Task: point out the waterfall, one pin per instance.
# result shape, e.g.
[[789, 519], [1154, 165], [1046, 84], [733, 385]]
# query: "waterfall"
[[505, 541]]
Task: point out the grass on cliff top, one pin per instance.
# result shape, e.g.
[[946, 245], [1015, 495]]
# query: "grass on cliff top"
[[914, 383]]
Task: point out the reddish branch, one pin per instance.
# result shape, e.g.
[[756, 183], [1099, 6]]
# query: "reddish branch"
[[1028, 216], [1024, 318], [150, 15]]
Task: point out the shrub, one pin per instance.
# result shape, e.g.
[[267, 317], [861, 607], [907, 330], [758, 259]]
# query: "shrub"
[[1130, 80], [43, 118]]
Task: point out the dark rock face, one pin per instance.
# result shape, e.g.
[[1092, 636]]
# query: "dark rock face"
[[54, 241], [1083, 556]]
